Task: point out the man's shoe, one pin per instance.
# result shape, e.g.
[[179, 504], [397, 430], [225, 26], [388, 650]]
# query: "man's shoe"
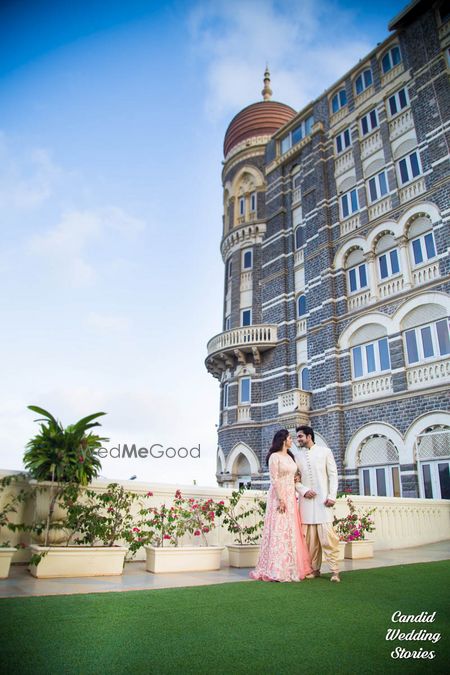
[[313, 575], [336, 578]]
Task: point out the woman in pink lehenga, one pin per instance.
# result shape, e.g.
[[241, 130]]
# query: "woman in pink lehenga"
[[283, 555]]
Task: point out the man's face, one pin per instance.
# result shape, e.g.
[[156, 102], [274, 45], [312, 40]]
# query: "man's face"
[[302, 439]]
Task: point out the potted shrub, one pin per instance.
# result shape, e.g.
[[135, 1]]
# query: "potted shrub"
[[245, 522], [163, 528], [353, 528], [97, 525], [9, 502]]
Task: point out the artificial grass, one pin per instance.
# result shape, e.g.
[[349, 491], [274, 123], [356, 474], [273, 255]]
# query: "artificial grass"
[[311, 627]]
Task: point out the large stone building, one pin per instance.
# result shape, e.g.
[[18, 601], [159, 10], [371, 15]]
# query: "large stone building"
[[335, 244]]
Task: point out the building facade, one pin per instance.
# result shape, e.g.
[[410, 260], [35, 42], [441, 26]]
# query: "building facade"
[[336, 252]]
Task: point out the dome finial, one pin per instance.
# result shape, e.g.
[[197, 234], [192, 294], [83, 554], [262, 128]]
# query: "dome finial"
[[267, 91]]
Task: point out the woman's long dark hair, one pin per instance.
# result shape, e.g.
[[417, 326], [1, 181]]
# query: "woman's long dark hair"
[[277, 444]]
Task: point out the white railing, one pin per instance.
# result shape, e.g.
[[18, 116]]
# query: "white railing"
[[371, 144], [358, 301], [428, 374], [422, 275], [412, 190], [294, 400], [372, 387], [350, 224], [339, 115], [380, 208], [391, 287], [301, 327], [299, 257], [401, 124], [243, 413], [296, 196], [262, 334], [344, 162], [366, 94], [392, 74], [399, 522], [246, 281]]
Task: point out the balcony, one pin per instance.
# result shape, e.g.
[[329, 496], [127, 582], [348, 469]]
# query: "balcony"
[[350, 224], [401, 124], [426, 273], [429, 374], [392, 74], [391, 287], [344, 162], [294, 400], [380, 208], [234, 346], [412, 190], [371, 144], [243, 413], [364, 95], [372, 387], [358, 300]]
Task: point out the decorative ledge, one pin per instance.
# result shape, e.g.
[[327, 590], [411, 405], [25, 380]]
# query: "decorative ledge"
[[294, 400], [429, 374], [380, 208], [401, 124], [412, 190], [392, 74], [249, 233], [357, 301], [350, 224], [299, 257], [371, 144], [344, 162], [429, 272], [372, 387], [391, 287], [364, 96]]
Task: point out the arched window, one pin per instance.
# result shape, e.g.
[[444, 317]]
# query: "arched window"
[[302, 305], [338, 101], [357, 276], [391, 59], [421, 237], [387, 257], [305, 383], [363, 81], [379, 472], [433, 459]]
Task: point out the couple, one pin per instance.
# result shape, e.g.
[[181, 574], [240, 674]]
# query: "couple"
[[291, 551]]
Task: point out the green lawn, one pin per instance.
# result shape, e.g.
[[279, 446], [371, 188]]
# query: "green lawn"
[[312, 627]]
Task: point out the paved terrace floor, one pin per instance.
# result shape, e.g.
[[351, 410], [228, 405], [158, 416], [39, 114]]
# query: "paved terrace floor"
[[135, 578]]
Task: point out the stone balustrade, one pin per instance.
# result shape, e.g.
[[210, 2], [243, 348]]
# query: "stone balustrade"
[[258, 335], [372, 387], [371, 144], [349, 225], [294, 400], [358, 300], [426, 273], [301, 327], [428, 374], [243, 413], [299, 257], [391, 287], [344, 162], [380, 208], [401, 124], [296, 196], [338, 116], [392, 74], [412, 190], [246, 280], [364, 95]]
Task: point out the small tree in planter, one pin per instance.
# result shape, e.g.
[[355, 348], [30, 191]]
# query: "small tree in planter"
[[245, 522], [9, 503], [164, 527], [62, 456]]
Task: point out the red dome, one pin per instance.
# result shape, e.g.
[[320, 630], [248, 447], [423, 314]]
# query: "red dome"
[[258, 119]]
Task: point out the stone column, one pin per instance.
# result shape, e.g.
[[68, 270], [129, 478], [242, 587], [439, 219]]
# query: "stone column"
[[405, 264], [372, 272]]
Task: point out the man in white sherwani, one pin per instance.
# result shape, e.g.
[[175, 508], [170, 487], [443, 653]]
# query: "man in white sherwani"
[[317, 488]]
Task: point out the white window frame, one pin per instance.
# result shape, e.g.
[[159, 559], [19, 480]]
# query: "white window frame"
[[371, 127], [436, 356], [434, 475], [246, 309], [253, 202], [423, 248], [304, 129], [338, 97], [228, 322], [300, 316], [408, 164], [241, 400], [225, 397], [389, 482], [241, 206], [376, 350], [304, 370], [229, 264], [363, 80], [378, 189], [244, 251], [391, 60], [347, 197], [342, 136], [396, 98], [387, 255], [358, 288]]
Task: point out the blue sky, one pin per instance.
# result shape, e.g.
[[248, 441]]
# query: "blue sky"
[[111, 129]]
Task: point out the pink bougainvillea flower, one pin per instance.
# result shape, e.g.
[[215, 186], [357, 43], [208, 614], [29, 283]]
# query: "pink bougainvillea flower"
[[206, 529], [221, 503], [136, 529], [149, 493], [197, 533], [167, 536], [81, 459], [178, 494]]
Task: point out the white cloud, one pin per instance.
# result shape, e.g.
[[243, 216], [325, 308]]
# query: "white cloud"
[[26, 182], [69, 248], [305, 50]]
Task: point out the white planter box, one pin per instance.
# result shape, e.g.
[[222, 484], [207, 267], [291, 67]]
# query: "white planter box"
[[183, 558], [359, 549], [6, 555], [243, 555], [78, 561], [341, 552]]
